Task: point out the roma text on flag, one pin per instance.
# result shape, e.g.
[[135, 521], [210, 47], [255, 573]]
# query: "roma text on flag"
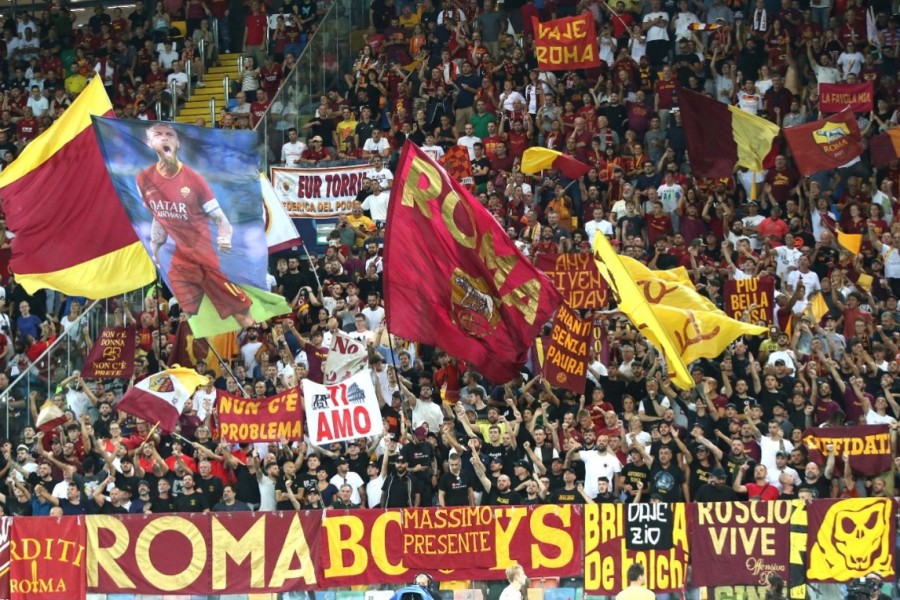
[[566, 43], [826, 144]]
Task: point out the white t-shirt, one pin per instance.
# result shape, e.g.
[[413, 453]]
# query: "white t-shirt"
[[377, 204], [810, 281], [376, 147], [373, 491], [351, 479], [750, 103], [655, 33], [596, 466], [891, 261], [381, 176], [291, 152], [427, 412], [785, 258], [435, 152], [873, 418]]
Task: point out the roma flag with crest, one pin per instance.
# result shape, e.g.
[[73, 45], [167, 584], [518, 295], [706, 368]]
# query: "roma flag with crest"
[[826, 144]]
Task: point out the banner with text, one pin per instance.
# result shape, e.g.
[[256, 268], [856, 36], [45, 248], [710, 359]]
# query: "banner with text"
[[566, 43], [566, 354], [755, 294], [851, 538], [202, 553], [366, 547], [47, 559], [315, 193], [868, 446], [606, 543], [576, 277], [855, 97], [747, 541], [346, 357], [112, 355], [344, 411], [244, 420]]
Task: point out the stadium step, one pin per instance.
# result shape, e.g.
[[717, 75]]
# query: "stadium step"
[[198, 105]]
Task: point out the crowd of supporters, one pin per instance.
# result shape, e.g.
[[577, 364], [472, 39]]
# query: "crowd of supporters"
[[464, 73]]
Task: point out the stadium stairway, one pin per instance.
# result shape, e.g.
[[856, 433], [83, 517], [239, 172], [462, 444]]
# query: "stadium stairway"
[[198, 105]]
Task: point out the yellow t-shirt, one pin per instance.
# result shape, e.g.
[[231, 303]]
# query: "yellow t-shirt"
[[345, 131]]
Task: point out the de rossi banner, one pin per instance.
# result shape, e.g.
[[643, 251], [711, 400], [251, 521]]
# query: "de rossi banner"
[[566, 43], [112, 355], [576, 277], [245, 420], [343, 411], [853, 97], [747, 541], [315, 193], [754, 294]]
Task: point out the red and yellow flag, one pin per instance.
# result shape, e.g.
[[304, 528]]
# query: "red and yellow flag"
[[566, 43], [453, 278], [72, 233]]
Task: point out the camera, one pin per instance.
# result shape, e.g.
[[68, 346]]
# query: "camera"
[[863, 588]]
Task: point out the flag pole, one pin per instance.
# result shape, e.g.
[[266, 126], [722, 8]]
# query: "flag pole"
[[309, 259], [227, 368]]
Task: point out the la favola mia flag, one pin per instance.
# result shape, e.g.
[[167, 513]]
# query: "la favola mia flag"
[[112, 354], [343, 411], [852, 97], [566, 43], [71, 232], [161, 397], [193, 197], [720, 137], [826, 144], [453, 278]]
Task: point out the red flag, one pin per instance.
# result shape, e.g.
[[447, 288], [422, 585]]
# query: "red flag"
[[453, 278], [566, 356], [566, 43], [855, 97], [46, 567], [884, 148], [459, 166], [826, 144], [112, 355]]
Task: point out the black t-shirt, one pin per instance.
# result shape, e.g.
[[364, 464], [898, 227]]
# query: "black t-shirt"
[[281, 486], [496, 498], [633, 475], [211, 489], [290, 284], [247, 489], [109, 509], [163, 505], [699, 476], [710, 493], [456, 488], [666, 481], [191, 503], [821, 485], [564, 496], [399, 491], [481, 163]]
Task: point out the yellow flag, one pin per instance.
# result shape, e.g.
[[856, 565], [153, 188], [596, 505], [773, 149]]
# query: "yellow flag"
[[850, 241], [673, 287], [817, 307], [639, 270], [537, 159]]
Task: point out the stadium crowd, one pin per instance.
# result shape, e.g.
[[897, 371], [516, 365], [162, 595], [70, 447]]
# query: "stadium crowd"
[[464, 73]]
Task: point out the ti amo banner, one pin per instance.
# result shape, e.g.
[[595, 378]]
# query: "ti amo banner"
[[203, 553], [318, 193], [607, 557], [851, 538], [747, 541], [344, 411], [566, 352], [45, 566], [576, 277], [362, 547], [853, 97], [566, 43], [243, 420], [754, 294], [869, 447], [112, 355]]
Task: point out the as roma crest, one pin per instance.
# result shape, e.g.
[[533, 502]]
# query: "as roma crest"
[[472, 308]]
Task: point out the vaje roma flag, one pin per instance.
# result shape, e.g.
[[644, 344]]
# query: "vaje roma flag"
[[826, 144], [161, 397], [720, 137], [453, 278], [71, 232], [566, 43]]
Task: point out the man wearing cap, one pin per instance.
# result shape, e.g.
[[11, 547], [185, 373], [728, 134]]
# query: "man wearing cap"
[[499, 493], [345, 476], [400, 489], [571, 492], [716, 489], [142, 500], [782, 470], [316, 152]]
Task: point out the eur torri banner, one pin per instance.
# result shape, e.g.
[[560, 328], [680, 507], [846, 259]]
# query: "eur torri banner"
[[853, 97], [756, 294], [270, 419], [193, 197], [344, 411], [566, 353], [112, 355], [576, 277], [314, 193], [566, 43]]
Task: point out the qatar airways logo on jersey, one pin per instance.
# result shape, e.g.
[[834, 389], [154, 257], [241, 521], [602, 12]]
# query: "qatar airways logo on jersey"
[[168, 209]]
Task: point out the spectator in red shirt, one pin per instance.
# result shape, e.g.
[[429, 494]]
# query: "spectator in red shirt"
[[255, 33]]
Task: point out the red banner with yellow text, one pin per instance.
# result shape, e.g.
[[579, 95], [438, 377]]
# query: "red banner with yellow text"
[[576, 277], [203, 553], [868, 446], [112, 355], [747, 541], [243, 420], [367, 546], [755, 294], [566, 43], [854, 97], [566, 354], [607, 539], [47, 559]]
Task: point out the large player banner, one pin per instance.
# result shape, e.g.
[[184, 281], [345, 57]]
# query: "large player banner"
[[193, 197]]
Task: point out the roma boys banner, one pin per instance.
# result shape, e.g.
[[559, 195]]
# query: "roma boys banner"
[[851, 538], [747, 541], [566, 352], [45, 565], [343, 411], [576, 277], [868, 446], [112, 355], [362, 547], [245, 420], [192, 195], [853, 97], [567, 43], [318, 193], [607, 541], [202, 554], [754, 294]]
